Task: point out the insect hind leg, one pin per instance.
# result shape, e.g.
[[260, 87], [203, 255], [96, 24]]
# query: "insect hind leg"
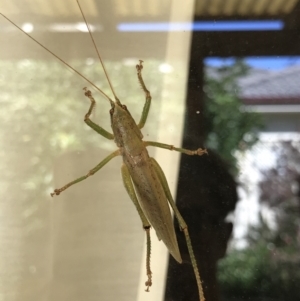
[[182, 225], [146, 225]]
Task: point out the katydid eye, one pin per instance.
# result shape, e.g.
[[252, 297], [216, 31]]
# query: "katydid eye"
[[124, 107], [111, 111]]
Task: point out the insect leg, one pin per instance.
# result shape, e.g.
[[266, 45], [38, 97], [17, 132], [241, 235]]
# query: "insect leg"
[[182, 224], [199, 151], [146, 225], [146, 108], [92, 124], [90, 173]]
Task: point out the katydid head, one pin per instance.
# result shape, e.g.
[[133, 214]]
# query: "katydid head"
[[118, 111]]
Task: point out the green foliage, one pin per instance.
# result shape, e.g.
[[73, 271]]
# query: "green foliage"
[[245, 273], [269, 268], [228, 126], [259, 272]]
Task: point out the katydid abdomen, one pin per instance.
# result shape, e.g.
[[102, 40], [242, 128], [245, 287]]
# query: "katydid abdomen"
[[153, 200]]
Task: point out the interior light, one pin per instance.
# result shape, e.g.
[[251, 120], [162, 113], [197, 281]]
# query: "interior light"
[[27, 27]]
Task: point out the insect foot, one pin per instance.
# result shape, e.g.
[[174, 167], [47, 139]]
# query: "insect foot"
[[139, 67], [87, 93], [201, 151], [55, 192], [148, 283]]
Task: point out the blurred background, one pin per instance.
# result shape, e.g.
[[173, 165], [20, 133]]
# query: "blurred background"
[[223, 75]]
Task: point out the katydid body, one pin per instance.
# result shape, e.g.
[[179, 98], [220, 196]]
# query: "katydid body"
[[142, 176], [151, 195]]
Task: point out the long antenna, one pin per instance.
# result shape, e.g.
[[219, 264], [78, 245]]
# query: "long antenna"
[[61, 60], [98, 54]]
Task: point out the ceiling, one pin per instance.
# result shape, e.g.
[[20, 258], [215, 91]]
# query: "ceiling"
[[147, 10], [244, 8], [105, 15]]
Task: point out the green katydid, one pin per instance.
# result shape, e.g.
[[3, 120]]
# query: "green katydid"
[[143, 178]]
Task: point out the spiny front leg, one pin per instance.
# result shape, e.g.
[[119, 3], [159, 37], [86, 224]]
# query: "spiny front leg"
[[100, 130], [146, 108]]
